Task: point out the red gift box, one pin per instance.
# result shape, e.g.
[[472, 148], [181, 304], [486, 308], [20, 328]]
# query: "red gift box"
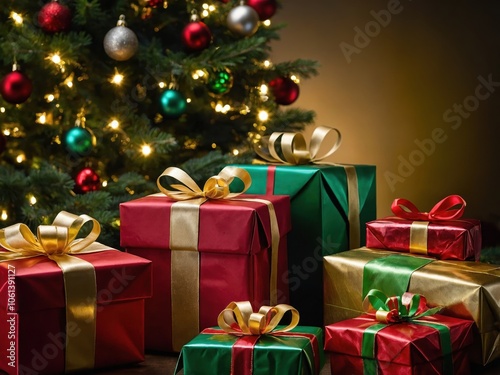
[[441, 233], [400, 335], [233, 261], [32, 303]]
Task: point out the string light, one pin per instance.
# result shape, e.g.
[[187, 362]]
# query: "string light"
[[32, 199], [114, 124], [295, 79], [69, 81], [198, 74], [146, 150], [267, 23], [55, 58], [117, 79], [267, 64], [49, 98], [20, 158], [162, 85], [214, 145], [4, 215], [2, 109], [235, 152], [42, 118], [18, 19], [263, 115]]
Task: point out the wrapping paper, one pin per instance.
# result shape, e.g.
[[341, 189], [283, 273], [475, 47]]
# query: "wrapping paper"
[[401, 349], [234, 257], [320, 225], [210, 353], [467, 290], [447, 239], [36, 320]]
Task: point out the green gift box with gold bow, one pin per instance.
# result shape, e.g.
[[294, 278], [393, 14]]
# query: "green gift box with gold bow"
[[67, 302], [330, 205], [399, 335], [253, 343]]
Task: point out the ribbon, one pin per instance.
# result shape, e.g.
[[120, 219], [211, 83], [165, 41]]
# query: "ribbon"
[[449, 208], [408, 308], [59, 243], [184, 234], [294, 151]]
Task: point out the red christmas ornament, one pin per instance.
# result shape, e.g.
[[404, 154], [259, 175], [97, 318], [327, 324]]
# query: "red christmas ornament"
[[264, 8], [196, 36], [54, 17], [16, 88], [285, 90], [87, 180], [3, 143]]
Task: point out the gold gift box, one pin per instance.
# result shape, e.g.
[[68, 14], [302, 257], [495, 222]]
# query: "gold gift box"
[[467, 290]]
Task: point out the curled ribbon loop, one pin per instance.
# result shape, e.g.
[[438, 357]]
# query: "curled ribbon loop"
[[52, 240], [449, 208], [216, 187], [294, 147], [397, 309], [239, 319]]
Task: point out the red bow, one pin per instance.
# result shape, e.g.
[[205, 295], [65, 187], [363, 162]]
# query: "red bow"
[[443, 210]]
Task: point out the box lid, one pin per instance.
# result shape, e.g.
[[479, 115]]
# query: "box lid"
[[38, 282], [226, 226]]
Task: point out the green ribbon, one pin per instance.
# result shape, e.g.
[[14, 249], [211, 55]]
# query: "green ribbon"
[[405, 309], [391, 274]]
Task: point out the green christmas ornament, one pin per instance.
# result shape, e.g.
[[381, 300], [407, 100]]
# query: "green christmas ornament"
[[79, 141], [220, 82], [173, 103]]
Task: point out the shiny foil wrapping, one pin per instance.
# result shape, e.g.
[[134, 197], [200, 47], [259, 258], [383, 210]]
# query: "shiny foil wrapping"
[[445, 239], [465, 289], [123, 283], [400, 349]]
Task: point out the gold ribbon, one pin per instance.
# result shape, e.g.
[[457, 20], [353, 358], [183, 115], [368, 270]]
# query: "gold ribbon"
[[418, 237], [295, 151], [58, 242], [184, 235], [239, 319]]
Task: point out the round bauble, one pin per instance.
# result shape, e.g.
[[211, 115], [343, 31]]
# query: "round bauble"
[[173, 104], [54, 17], [120, 43], [87, 180], [243, 20], [16, 88], [264, 8], [196, 36], [220, 82], [285, 90], [79, 141]]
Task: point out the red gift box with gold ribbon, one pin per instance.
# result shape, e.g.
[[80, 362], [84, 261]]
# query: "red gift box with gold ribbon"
[[209, 247], [441, 233], [67, 303], [399, 336]]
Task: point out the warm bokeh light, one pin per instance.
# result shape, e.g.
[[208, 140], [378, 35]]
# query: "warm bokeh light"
[[20, 158], [4, 216], [117, 79], [263, 115], [146, 150], [32, 199], [18, 19], [114, 124]]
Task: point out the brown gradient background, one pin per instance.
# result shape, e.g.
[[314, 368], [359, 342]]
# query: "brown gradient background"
[[397, 89]]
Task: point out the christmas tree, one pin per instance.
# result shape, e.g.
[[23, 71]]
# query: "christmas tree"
[[98, 97]]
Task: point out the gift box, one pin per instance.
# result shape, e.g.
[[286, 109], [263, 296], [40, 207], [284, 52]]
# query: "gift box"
[[237, 251], [329, 205], [264, 349], [465, 289], [441, 233], [66, 313], [427, 345]]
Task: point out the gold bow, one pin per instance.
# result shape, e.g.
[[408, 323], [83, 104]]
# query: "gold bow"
[[239, 319], [58, 242], [295, 152], [216, 187], [294, 147]]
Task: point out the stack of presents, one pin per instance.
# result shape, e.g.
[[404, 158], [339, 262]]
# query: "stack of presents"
[[269, 268]]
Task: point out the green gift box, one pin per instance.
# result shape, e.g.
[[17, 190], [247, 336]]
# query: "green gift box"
[[296, 352], [320, 221]]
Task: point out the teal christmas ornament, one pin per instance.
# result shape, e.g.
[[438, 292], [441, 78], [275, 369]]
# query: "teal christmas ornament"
[[173, 103], [79, 141], [220, 82]]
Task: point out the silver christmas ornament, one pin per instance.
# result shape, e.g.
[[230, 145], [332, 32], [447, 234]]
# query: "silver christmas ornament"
[[120, 43], [243, 20]]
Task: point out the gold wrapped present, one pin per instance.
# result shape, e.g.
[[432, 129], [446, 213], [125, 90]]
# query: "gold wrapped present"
[[467, 290]]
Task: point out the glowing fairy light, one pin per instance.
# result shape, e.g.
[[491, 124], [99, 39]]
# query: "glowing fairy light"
[[114, 124], [146, 150], [17, 18], [4, 216], [263, 115]]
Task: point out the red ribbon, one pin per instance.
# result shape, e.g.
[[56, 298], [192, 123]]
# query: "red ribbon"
[[445, 209]]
